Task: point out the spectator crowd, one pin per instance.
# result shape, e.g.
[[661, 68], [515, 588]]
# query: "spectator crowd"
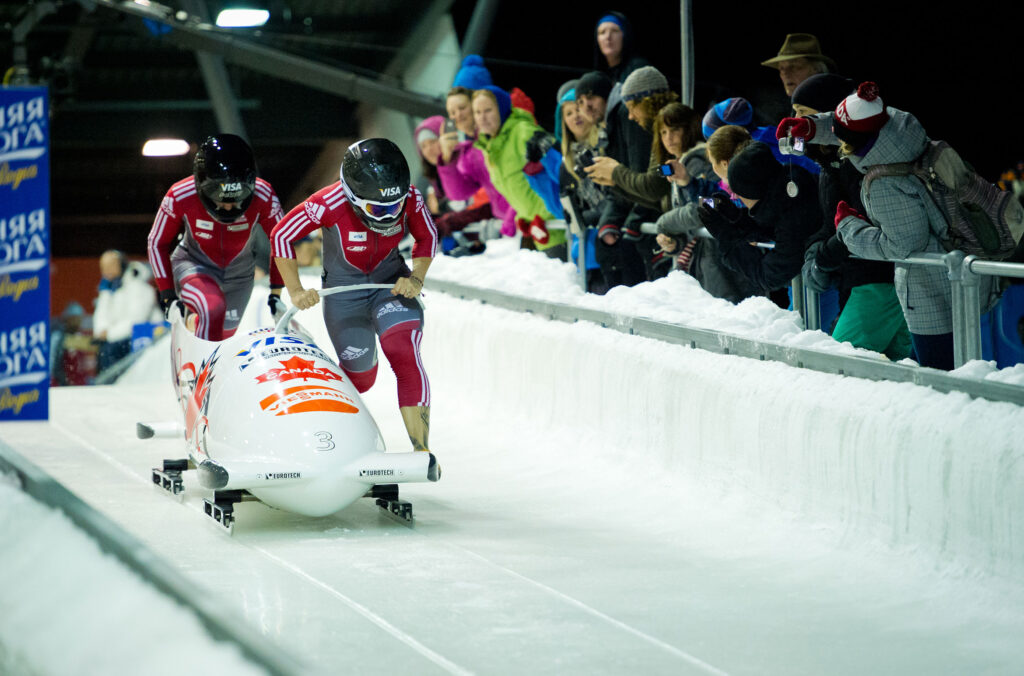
[[712, 191]]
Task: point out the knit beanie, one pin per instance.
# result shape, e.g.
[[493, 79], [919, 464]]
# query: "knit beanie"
[[753, 171], [737, 111], [564, 96], [503, 99], [428, 128], [472, 74], [860, 116], [566, 86], [642, 83], [594, 83], [822, 92]]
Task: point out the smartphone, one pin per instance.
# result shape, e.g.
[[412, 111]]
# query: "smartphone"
[[449, 126], [666, 169], [709, 202]]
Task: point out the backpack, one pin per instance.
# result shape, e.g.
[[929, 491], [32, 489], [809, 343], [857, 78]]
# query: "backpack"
[[982, 220]]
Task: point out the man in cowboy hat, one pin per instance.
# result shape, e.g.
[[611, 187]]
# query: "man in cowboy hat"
[[799, 58]]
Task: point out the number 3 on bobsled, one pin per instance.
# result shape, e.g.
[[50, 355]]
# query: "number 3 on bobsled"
[[269, 416]]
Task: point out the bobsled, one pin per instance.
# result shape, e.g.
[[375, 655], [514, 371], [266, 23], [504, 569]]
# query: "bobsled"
[[267, 415]]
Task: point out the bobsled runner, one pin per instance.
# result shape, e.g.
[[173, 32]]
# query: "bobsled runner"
[[269, 416]]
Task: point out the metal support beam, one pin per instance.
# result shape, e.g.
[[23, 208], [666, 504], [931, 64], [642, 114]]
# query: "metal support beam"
[[191, 34], [218, 85], [686, 31], [422, 34], [32, 15], [479, 27]]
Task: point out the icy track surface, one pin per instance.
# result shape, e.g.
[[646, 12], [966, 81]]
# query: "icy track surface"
[[697, 526]]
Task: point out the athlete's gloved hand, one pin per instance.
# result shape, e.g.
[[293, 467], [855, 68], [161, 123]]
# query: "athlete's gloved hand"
[[277, 308], [797, 127], [167, 299]]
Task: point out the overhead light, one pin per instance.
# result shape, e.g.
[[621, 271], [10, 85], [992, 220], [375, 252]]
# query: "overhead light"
[[165, 147], [242, 17]]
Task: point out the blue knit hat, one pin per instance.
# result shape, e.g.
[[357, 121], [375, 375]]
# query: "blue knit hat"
[[472, 74], [736, 111], [503, 99], [566, 96]]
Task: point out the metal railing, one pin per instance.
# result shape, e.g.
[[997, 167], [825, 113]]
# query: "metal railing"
[[964, 274]]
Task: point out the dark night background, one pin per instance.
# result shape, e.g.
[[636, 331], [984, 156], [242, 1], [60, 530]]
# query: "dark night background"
[[954, 66]]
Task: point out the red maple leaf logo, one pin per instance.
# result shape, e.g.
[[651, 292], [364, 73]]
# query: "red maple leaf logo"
[[297, 367]]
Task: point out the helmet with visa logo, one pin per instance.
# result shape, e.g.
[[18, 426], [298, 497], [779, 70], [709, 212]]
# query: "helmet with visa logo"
[[225, 172], [375, 176]]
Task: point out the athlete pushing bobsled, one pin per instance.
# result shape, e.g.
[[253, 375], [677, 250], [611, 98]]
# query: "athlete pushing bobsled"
[[364, 216], [203, 237]]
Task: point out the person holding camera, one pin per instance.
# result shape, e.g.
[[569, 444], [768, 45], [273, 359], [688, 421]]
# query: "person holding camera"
[[869, 313], [780, 203], [684, 158]]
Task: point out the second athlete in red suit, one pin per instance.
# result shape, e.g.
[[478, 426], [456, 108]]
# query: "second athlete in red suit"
[[202, 241], [364, 216]]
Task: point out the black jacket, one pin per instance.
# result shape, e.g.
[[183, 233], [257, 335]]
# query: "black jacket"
[[789, 221]]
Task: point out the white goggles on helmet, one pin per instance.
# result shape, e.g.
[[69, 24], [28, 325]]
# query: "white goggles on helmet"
[[378, 211]]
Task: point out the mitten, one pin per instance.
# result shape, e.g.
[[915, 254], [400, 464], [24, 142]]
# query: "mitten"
[[797, 127], [523, 226], [538, 231], [815, 278], [843, 210]]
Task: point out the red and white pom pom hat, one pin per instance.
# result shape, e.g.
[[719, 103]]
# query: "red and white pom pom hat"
[[862, 111]]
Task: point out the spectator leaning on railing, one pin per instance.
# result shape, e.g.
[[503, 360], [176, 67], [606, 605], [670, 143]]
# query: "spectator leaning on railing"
[[900, 217], [781, 200], [870, 315]]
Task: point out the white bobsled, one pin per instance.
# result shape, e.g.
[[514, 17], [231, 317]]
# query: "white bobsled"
[[268, 414]]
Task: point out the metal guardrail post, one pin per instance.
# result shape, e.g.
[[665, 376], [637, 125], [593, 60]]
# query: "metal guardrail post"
[[796, 291], [812, 307], [954, 261], [972, 311]]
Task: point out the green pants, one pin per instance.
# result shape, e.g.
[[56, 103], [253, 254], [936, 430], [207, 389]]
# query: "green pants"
[[872, 319]]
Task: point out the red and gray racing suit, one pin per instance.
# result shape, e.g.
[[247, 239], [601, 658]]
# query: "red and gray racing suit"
[[211, 268], [354, 254]]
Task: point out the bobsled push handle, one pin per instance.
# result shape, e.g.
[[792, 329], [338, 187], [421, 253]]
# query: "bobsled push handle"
[[282, 324]]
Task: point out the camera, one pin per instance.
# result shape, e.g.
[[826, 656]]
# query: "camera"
[[666, 169], [584, 158], [449, 126], [791, 145], [709, 202]]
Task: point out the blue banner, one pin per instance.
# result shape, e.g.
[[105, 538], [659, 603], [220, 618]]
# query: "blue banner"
[[24, 254]]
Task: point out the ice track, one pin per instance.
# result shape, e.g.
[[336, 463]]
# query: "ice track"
[[536, 553]]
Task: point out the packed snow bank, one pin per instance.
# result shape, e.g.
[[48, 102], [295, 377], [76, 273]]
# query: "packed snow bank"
[[69, 608], [675, 299], [940, 474]]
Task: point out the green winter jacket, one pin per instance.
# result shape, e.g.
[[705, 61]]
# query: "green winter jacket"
[[505, 154]]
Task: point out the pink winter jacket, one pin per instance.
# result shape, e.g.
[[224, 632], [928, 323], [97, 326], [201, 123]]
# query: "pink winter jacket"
[[465, 174]]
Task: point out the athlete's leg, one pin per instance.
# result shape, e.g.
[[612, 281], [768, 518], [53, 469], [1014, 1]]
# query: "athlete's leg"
[[348, 325], [400, 322], [203, 296]]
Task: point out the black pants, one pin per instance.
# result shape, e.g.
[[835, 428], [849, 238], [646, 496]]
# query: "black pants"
[[620, 263]]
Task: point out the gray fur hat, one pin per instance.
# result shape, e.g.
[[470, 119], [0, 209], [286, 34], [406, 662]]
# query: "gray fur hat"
[[642, 83]]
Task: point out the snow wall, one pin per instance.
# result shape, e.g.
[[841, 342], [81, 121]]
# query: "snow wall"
[[939, 476]]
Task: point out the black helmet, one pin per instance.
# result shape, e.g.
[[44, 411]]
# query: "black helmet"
[[225, 171], [375, 176]]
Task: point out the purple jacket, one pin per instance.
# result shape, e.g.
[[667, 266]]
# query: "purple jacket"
[[466, 174]]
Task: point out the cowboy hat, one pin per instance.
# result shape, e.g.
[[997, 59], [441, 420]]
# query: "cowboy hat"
[[799, 45]]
